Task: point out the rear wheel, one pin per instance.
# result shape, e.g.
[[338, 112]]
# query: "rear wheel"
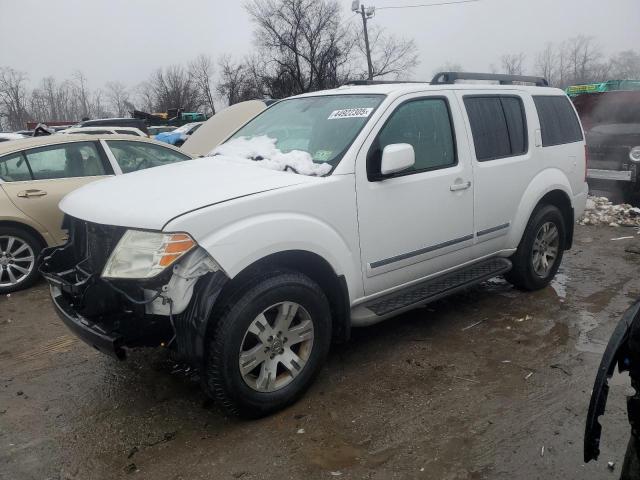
[[271, 338], [19, 250], [539, 254]]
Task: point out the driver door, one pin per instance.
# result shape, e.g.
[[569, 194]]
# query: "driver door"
[[417, 222]]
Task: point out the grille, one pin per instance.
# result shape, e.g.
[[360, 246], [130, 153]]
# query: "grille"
[[93, 243]]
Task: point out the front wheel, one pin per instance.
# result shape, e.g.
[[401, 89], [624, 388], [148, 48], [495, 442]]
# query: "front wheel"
[[270, 341], [539, 254]]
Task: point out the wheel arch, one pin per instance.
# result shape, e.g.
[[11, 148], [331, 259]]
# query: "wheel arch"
[[550, 187], [26, 227], [315, 267], [560, 199]]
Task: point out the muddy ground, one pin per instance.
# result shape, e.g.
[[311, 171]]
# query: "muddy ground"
[[432, 394]]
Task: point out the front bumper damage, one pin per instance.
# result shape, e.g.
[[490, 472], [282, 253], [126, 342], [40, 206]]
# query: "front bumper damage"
[[171, 309]]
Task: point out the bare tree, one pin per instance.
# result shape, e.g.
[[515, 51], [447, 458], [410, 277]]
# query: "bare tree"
[[235, 84], [390, 56], [172, 88], [513, 63], [82, 92], [582, 62], [307, 47], [626, 65], [201, 73], [13, 98], [546, 63], [118, 98]]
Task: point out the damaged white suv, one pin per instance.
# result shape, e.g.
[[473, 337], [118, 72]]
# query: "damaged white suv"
[[328, 210]]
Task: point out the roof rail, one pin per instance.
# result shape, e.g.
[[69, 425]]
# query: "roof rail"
[[378, 82], [448, 78]]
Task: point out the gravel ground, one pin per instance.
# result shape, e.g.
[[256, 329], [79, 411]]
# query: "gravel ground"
[[490, 384]]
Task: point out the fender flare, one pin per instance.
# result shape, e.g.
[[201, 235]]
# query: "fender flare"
[[549, 180]]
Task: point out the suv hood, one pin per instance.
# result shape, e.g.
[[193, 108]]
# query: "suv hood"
[[149, 199]]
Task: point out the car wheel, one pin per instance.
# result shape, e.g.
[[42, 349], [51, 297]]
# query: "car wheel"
[[270, 341], [19, 250], [539, 254]]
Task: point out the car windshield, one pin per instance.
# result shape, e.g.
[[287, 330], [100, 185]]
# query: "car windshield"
[[320, 128]]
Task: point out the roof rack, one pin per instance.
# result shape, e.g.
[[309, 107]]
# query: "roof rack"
[[449, 78], [378, 82]]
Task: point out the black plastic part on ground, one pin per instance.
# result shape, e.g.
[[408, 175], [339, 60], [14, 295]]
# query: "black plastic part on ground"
[[616, 353]]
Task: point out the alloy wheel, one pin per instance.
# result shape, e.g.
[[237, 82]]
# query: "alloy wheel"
[[546, 246], [276, 347], [17, 260]]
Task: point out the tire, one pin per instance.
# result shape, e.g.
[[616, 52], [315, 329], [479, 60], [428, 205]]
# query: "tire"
[[258, 393], [527, 272], [16, 247]]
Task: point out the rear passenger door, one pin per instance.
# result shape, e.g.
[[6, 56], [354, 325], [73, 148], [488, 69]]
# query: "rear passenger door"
[[40, 177], [502, 162]]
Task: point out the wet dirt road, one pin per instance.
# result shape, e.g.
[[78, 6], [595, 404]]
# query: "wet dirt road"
[[432, 394]]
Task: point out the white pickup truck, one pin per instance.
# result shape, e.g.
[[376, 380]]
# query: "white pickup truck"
[[327, 211]]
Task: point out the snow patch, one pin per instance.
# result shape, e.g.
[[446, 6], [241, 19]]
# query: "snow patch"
[[267, 155], [601, 211]]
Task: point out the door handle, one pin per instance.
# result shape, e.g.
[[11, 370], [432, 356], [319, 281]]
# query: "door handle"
[[459, 186], [31, 193]]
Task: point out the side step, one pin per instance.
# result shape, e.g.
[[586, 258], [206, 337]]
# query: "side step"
[[430, 290]]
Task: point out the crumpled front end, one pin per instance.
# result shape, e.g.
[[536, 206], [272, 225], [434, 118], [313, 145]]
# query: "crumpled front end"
[[112, 314]]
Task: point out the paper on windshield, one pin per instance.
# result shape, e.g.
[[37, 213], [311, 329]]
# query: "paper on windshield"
[[350, 113]]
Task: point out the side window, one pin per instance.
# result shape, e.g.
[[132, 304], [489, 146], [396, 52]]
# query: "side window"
[[133, 156], [128, 132], [498, 125], [78, 159], [14, 168], [426, 125], [558, 121]]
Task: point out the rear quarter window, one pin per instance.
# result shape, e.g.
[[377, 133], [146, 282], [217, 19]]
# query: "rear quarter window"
[[558, 121], [498, 126]]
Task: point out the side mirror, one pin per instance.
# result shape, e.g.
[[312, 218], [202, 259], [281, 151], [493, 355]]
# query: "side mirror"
[[396, 158]]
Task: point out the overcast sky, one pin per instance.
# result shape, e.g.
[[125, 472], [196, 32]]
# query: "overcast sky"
[[126, 39]]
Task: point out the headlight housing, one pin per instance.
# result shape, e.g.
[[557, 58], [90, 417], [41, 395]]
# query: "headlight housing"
[[142, 255], [634, 154]]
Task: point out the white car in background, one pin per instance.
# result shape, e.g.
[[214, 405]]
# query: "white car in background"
[[105, 131]]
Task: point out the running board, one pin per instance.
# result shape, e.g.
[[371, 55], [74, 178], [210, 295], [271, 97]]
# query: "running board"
[[427, 291]]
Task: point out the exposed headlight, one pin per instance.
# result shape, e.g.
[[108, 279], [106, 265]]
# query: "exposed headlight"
[[145, 254], [634, 154]]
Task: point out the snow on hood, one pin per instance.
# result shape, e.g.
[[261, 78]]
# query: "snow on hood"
[[262, 151]]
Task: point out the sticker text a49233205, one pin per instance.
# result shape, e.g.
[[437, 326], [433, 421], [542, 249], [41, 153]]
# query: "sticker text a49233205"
[[350, 113]]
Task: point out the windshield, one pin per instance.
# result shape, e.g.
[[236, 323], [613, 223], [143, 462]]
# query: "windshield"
[[323, 127]]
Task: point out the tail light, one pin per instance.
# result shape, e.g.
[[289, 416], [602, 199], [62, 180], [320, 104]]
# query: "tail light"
[[586, 161]]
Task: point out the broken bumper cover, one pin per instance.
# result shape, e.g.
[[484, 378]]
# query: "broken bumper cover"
[[91, 333]]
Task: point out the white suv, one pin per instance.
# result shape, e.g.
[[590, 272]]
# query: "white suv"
[[328, 210]]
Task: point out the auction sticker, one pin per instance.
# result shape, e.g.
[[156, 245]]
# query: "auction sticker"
[[350, 113]]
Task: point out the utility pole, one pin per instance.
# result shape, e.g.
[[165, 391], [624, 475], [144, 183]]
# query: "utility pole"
[[366, 15]]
